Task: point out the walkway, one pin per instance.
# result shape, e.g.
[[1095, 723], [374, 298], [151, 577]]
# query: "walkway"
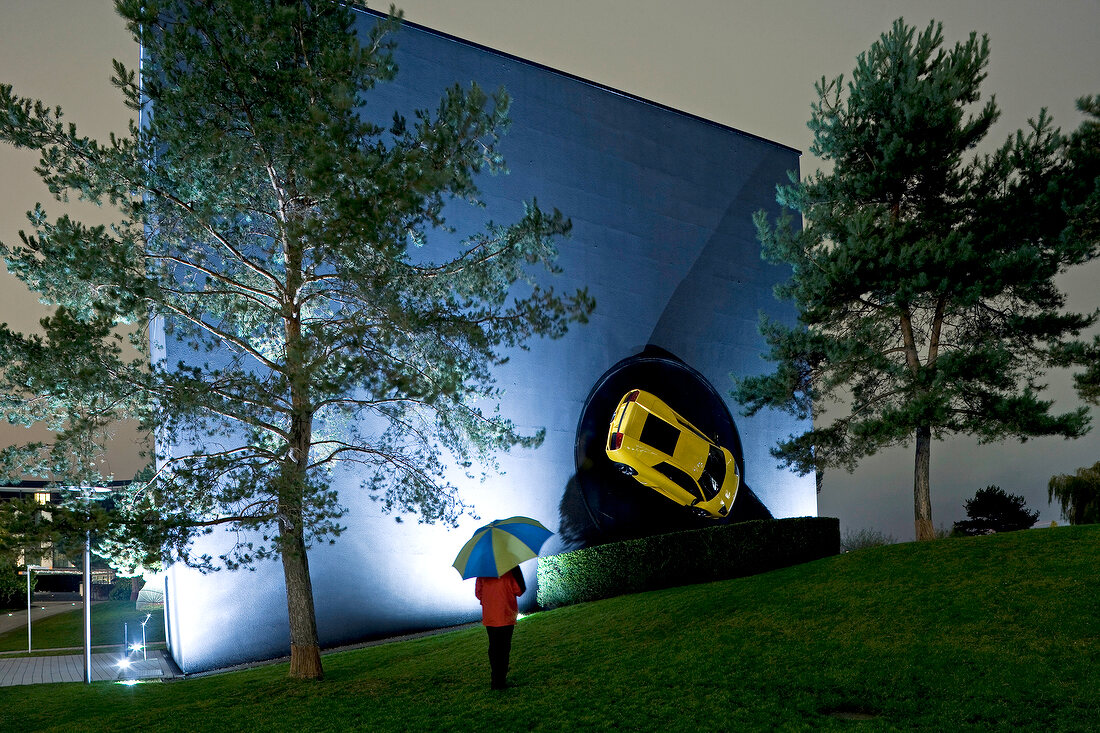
[[70, 668]]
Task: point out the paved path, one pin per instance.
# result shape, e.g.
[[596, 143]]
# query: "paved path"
[[70, 668]]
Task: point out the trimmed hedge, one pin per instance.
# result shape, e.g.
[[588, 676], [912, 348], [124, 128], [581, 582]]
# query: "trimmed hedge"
[[682, 558]]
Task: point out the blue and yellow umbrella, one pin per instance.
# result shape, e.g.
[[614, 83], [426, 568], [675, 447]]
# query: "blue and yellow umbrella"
[[500, 546]]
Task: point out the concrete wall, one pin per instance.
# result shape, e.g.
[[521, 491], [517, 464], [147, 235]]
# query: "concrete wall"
[[661, 204]]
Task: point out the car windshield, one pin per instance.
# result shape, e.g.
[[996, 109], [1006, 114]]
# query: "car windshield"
[[713, 474], [682, 479]]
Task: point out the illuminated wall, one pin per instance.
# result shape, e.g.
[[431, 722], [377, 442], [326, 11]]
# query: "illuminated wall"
[[661, 204]]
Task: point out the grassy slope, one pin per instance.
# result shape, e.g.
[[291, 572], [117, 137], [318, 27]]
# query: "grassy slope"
[[988, 633]]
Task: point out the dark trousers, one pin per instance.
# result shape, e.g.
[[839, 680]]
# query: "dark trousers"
[[500, 648]]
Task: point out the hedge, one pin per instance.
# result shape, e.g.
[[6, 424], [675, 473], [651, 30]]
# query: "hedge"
[[681, 558]]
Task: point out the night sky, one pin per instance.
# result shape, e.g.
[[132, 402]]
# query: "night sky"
[[747, 64]]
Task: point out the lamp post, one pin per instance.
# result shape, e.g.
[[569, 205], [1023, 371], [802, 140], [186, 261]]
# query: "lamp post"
[[88, 607], [148, 616], [30, 568]]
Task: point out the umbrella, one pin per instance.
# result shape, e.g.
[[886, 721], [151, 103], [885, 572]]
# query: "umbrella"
[[500, 546]]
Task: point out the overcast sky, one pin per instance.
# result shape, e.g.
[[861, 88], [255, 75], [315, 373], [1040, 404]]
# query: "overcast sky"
[[747, 64]]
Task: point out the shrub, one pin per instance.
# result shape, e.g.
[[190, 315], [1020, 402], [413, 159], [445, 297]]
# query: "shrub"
[[121, 589], [13, 586], [680, 558], [861, 539]]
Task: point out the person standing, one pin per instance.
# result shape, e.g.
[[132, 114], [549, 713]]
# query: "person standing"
[[499, 609]]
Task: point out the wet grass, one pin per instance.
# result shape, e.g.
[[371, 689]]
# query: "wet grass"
[[985, 633], [67, 629]]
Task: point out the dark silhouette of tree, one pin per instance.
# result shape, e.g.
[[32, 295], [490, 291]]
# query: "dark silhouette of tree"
[[992, 510]]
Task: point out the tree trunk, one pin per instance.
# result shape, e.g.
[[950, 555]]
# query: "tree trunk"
[[305, 650], [136, 584], [922, 497]]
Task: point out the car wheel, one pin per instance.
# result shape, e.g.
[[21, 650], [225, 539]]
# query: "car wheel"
[[701, 513], [626, 470]]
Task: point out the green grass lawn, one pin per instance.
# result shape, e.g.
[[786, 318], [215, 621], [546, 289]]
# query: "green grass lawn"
[[67, 629], [986, 633]]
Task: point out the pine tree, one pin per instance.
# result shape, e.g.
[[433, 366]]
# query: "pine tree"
[[1080, 189], [993, 510], [277, 231], [923, 274]]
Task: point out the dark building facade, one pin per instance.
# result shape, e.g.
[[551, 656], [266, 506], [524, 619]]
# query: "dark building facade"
[[661, 203]]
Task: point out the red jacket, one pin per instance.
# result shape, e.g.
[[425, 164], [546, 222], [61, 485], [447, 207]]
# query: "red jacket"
[[498, 600]]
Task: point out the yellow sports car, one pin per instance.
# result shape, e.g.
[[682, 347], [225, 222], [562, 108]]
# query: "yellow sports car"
[[648, 440]]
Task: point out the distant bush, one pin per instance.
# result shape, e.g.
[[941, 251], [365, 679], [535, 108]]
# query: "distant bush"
[[121, 589], [13, 586], [681, 558], [861, 539]]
